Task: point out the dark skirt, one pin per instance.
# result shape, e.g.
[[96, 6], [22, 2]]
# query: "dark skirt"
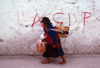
[[53, 52]]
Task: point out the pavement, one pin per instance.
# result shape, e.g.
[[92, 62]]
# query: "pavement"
[[73, 61]]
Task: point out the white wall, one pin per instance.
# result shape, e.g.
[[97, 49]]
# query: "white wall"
[[18, 37]]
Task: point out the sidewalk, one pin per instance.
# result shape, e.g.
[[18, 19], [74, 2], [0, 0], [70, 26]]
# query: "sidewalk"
[[73, 61]]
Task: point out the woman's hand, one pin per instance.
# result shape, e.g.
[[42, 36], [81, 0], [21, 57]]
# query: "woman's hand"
[[54, 46]]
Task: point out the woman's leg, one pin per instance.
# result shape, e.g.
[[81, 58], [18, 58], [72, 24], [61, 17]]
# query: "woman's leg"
[[46, 61], [63, 60]]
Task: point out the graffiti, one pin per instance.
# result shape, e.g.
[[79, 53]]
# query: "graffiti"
[[37, 18], [86, 17], [34, 21], [69, 15], [69, 18], [23, 13], [56, 14], [75, 19]]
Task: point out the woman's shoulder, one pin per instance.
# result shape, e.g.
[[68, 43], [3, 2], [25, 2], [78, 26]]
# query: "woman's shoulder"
[[50, 26]]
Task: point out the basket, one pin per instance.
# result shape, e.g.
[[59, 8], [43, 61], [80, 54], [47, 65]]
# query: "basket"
[[65, 28], [41, 46]]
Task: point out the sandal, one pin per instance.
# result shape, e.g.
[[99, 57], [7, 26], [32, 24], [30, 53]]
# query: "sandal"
[[63, 62], [45, 62]]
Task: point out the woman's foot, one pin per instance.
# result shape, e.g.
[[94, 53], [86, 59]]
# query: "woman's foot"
[[45, 62], [63, 62]]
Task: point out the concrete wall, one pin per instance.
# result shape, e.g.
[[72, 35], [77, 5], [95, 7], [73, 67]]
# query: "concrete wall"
[[20, 27]]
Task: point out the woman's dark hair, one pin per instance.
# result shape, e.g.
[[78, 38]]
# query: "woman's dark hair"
[[46, 20]]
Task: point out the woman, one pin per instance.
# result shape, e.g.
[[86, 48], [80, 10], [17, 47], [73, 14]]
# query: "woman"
[[54, 48]]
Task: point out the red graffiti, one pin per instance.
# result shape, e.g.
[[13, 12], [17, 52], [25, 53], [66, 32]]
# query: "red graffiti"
[[47, 4], [75, 19], [69, 14], [56, 14], [25, 20], [22, 13], [35, 19], [69, 19], [86, 17], [31, 17], [77, 7]]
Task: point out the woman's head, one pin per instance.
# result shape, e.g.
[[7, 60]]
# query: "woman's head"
[[46, 21]]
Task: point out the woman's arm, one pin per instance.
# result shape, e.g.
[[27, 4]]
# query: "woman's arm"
[[53, 36]]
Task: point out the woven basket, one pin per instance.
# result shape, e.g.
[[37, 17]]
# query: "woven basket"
[[41, 48], [65, 28]]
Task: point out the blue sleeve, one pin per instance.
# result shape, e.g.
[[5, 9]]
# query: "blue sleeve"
[[53, 36]]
